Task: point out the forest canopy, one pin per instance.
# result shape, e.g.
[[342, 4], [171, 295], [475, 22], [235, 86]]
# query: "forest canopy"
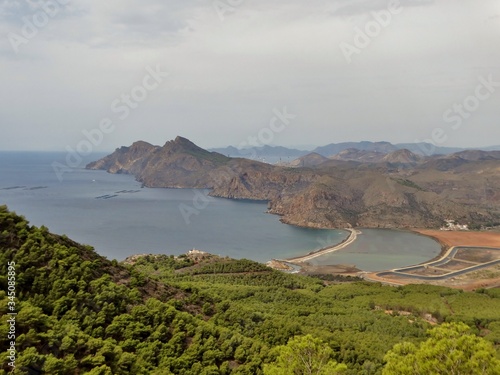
[[80, 313]]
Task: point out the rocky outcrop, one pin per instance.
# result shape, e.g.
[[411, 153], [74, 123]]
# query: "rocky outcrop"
[[178, 164], [402, 156], [125, 159]]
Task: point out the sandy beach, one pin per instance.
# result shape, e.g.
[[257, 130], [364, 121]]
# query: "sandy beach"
[[462, 238]]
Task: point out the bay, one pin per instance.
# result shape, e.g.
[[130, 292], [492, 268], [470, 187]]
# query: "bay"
[[119, 218]]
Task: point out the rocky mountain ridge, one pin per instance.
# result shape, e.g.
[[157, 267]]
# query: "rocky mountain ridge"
[[284, 153], [401, 190]]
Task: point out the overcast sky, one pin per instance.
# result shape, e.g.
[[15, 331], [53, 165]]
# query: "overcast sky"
[[230, 67]]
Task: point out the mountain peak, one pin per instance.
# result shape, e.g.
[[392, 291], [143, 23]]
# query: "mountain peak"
[[310, 160], [182, 140], [141, 145], [402, 156], [181, 144]]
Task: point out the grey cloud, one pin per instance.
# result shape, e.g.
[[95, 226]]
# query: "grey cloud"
[[13, 11], [228, 76], [347, 8], [153, 17]]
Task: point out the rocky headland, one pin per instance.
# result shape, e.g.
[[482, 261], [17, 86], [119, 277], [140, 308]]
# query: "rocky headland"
[[396, 190]]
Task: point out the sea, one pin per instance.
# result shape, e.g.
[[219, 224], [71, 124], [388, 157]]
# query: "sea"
[[119, 217]]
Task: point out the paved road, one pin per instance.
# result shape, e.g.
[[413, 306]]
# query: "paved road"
[[448, 256], [352, 237]]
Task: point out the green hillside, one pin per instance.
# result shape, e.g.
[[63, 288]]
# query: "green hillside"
[[79, 313]]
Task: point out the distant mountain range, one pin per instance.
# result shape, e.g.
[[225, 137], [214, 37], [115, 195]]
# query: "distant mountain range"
[[376, 187], [275, 153]]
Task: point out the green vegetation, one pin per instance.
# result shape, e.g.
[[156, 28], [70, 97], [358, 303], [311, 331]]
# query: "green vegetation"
[[214, 157], [478, 226], [451, 349], [304, 355], [79, 313], [405, 182]]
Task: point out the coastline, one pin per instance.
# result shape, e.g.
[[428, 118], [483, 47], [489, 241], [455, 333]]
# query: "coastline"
[[445, 247]]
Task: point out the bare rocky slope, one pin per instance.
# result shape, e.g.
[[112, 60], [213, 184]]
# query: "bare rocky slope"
[[332, 194]]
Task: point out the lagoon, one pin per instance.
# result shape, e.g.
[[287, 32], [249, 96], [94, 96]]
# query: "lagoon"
[[382, 249]]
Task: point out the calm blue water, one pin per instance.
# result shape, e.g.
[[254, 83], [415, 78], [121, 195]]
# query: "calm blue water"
[[142, 220], [119, 218]]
